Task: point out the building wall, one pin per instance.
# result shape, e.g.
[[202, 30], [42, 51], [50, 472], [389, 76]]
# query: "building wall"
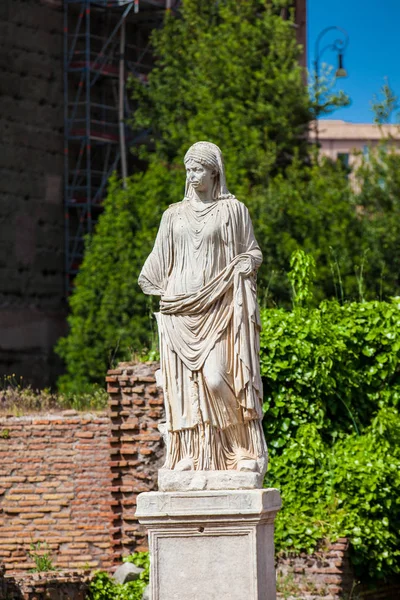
[[340, 138], [32, 310], [301, 28]]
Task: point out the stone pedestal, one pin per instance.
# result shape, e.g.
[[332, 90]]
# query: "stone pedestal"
[[211, 545]]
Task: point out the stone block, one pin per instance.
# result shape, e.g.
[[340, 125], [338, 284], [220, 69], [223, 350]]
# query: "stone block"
[[211, 545], [172, 481], [127, 572]]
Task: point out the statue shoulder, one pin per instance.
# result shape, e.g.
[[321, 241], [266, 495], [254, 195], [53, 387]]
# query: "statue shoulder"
[[170, 211], [236, 205], [173, 207]]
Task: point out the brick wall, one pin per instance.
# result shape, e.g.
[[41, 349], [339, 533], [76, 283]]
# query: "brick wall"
[[37, 586], [136, 409], [326, 574], [55, 485]]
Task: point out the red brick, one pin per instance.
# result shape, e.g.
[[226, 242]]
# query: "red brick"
[[145, 451], [112, 390]]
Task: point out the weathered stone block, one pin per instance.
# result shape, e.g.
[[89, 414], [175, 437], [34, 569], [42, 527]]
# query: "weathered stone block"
[[212, 545]]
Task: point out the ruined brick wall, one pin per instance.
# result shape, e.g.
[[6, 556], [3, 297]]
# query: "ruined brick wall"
[[32, 312], [55, 486], [37, 586], [71, 480], [136, 409], [327, 575]]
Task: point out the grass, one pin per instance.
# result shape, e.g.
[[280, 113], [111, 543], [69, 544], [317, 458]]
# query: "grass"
[[19, 399]]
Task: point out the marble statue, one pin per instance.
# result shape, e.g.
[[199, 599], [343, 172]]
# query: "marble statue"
[[203, 265]]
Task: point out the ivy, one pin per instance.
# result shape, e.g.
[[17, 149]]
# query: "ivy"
[[350, 489], [331, 391], [334, 365]]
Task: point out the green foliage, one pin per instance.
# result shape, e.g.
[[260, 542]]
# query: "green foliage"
[[140, 559], [41, 556], [378, 199], [331, 390], [21, 399], [89, 397], [325, 98], [317, 365], [110, 317], [385, 105], [314, 209], [332, 365], [301, 276], [350, 488], [102, 586], [228, 72]]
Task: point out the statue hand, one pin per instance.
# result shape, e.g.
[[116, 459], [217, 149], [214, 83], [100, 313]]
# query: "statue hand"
[[244, 266]]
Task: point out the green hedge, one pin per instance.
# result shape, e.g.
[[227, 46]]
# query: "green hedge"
[[331, 390], [334, 366], [350, 489]]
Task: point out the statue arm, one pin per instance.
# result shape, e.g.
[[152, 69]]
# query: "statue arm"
[[152, 278], [248, 243]]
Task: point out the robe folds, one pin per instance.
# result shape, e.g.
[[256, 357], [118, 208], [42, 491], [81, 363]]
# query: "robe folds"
[[208, 331]]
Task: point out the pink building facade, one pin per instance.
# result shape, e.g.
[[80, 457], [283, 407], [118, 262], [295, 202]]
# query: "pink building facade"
[[340, 140]]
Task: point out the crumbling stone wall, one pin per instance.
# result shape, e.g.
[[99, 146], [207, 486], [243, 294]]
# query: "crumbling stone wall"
[[55, 487], [42, 586], [32, 312], [326, 574], [137, 450]]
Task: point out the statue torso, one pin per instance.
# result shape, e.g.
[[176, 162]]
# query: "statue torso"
[[199, 245]]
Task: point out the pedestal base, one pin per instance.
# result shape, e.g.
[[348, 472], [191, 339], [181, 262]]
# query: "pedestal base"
[[211, 545]]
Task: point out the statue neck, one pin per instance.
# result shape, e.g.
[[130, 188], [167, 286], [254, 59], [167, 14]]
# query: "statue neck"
[[201, 197]]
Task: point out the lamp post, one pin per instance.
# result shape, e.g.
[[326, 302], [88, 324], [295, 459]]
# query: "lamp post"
[[339, 46]]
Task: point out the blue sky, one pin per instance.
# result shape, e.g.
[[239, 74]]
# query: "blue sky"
[[373, 51]]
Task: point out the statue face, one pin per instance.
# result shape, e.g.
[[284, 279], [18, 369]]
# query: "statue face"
[[199, 176]]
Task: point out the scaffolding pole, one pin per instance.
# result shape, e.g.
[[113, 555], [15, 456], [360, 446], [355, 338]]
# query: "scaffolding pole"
[[100, 50]]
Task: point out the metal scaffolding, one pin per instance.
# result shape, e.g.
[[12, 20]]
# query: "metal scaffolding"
[[104, 42]]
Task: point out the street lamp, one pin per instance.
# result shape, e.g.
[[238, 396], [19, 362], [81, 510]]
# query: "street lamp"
[[339, 45]]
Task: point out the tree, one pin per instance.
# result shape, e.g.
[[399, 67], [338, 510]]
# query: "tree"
[[385, 105], [378, 198], [227, 72], [314, 209]]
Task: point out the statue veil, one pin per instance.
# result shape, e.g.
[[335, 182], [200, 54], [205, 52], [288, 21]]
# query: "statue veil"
[[209, 155]]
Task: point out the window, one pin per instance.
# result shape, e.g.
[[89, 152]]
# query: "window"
[[343, 157]]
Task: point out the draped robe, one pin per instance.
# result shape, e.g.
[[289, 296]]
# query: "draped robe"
[[208, 329]]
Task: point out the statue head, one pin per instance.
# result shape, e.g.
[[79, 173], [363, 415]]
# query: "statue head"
[[209, 156]]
